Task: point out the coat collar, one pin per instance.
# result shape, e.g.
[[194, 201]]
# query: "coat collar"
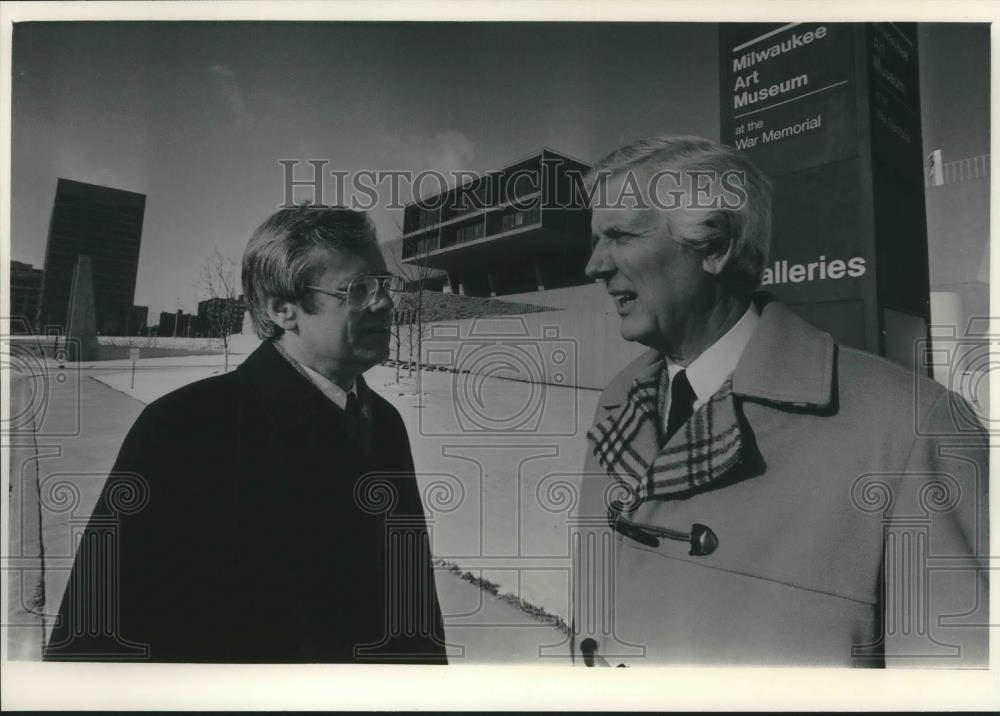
[[289, 396], [787, 361]]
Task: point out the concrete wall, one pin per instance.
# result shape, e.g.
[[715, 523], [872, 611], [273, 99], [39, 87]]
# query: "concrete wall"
[[118, 348], [590, 297], [529, 346], [956, 120], [958, 234], [122, 352]]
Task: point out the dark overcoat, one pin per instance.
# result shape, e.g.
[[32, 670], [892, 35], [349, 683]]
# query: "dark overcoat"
[[244, 522]]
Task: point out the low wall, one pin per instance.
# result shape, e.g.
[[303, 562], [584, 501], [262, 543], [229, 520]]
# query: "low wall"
[[25, 624], [119, 347], [171, 342], [122, 352], [591, 298]]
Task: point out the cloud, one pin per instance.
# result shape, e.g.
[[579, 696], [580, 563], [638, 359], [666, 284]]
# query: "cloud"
[[445, 151], [231, 94]]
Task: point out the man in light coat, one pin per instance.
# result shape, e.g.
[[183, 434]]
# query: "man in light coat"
[[755, 493]]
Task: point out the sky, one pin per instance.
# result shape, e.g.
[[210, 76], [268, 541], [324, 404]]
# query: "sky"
[[197, 115]]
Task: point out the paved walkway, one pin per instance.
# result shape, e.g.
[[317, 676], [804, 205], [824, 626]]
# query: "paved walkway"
[[78, 436]]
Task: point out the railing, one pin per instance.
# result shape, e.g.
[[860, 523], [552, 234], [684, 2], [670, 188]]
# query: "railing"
[[422, 244], [419, 245], [962, 170]]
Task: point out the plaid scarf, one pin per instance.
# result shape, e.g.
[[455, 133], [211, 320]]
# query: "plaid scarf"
[[629, 442]]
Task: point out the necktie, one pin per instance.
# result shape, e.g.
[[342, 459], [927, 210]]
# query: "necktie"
[[681, 403], [353, 410]]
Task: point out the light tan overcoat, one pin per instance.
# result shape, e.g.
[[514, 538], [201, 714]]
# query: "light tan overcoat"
[[857, 537]]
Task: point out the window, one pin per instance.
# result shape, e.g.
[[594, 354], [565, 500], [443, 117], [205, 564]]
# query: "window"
[[469, 233], [517, 219]]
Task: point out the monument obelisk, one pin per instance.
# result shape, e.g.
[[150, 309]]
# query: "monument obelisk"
[[81, 326]]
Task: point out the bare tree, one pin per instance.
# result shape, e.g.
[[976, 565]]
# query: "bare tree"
[[397, 336], [423, 274], [224, 314], [404, 322], [410, 309]]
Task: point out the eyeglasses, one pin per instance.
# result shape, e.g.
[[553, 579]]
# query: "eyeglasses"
[[361, 292]]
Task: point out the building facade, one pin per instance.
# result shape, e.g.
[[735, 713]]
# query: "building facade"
[[25, 291], [105, 224], [220, 315], [178, 324], [417, 277], [137, 320], [518, 229]]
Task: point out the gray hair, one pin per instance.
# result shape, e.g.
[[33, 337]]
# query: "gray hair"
[[745, 226], [290, 250]]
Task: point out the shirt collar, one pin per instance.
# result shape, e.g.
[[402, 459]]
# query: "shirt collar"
[[330, 389], [709, 371], [326, 386]]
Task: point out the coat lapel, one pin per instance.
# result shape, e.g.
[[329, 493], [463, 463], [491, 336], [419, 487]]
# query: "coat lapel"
[[787, 363], [708, 448], [296, 407], [626, 440], [292, 402]]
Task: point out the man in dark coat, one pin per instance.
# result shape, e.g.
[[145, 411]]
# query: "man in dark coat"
[[270, 514]]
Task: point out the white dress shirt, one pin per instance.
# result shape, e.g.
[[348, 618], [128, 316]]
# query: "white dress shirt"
[[709, 371]]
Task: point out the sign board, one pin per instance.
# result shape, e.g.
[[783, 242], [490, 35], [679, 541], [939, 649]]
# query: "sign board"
[[830, 111], [133, 355], [788, 94]]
